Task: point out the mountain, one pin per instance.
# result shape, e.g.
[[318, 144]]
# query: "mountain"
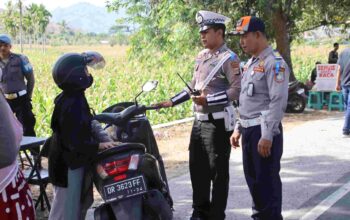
[[86, 17]]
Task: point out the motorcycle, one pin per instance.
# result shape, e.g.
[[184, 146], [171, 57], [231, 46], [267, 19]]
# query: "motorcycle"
[[131, 177], [296, 97]]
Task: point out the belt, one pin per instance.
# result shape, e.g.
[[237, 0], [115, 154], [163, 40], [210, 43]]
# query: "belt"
[[246, 123], [15, 95], [206, 117]]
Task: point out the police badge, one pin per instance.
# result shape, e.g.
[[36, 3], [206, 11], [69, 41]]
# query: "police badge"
[[199, 18]]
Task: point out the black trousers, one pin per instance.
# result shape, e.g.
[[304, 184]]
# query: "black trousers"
[[22, 107], [262, 174], [209, 165]]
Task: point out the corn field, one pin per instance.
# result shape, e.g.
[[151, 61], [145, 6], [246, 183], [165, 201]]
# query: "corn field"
[[121, 80]]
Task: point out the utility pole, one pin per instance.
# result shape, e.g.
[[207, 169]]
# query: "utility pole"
[[20, 24]]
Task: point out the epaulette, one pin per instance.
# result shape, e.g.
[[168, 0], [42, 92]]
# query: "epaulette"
[[202, 53], [277, 55]]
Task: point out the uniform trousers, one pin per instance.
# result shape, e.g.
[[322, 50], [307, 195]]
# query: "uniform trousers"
[[209, 168], [262, 174], [22, 107]]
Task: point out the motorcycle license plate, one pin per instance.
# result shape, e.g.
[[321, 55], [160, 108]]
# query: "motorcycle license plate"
[[300, 91], [125, 189]]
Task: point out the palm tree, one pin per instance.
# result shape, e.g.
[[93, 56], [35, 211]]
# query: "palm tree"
[[39, 18], [43, 20], [28, 27], [10, 19], [32, 17]]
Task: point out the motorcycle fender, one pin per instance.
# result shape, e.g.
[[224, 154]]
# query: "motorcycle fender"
[[158, 204], [128, 209]]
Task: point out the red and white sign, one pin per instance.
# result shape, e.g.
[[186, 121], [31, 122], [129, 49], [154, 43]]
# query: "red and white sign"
[[326, 77]]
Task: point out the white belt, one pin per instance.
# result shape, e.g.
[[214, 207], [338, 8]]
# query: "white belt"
[[205, 117], [246, 123], [15, 95]]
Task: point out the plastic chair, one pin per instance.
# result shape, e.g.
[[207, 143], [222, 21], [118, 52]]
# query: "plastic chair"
[[315, 100], [336, 101]]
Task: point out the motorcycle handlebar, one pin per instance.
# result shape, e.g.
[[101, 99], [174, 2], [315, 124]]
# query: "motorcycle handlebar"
[[152, 108], [126, 114]]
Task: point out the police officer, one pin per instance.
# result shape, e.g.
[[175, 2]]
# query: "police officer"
[[17, 83], [263, 100], [217, 80], [333, 55]]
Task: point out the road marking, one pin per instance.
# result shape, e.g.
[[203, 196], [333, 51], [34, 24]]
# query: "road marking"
[[327, 203]]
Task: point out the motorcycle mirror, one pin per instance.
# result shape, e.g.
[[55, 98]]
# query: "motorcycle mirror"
[[149, 86]]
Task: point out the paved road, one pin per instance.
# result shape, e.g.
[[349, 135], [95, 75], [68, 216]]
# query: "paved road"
[[315, 163]]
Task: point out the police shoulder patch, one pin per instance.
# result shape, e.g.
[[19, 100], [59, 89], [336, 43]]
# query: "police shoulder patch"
[[26, 66], [280, 75]]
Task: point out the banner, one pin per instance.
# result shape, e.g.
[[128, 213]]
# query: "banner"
[[326, 77]]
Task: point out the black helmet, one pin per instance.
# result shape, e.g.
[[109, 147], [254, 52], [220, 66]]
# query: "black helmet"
[[70, 70]]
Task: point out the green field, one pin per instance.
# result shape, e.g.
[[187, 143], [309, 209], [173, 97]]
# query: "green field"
[[121, 80]]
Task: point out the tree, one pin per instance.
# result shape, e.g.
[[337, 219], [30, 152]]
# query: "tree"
[[11, 19], [35, 20], [43, 20], [160, 21], [38, 17], [65, 30], [286, 19]]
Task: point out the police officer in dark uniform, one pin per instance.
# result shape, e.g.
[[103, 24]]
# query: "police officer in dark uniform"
[[17, 83], [217, 80], [263, 100]]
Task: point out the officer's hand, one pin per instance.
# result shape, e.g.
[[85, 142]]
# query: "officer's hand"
[[164, 104], [106, 145], [264, 147], [199, 100], [234, 139], [337, 87]]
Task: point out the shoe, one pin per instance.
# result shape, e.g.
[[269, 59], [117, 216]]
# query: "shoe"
[[195, 218]]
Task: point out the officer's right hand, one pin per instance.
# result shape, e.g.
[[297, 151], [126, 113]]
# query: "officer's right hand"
[[234, 139], [106, 145], [337, 87], [164, 104]]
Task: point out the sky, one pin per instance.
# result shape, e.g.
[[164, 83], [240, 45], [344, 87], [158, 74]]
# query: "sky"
[[52, 4]]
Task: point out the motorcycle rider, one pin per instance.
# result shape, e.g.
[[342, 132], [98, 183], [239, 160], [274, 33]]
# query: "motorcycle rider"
[[72, 145]]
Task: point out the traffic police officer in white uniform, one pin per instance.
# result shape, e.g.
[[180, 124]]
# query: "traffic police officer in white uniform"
[[217, 80], [263, 100]]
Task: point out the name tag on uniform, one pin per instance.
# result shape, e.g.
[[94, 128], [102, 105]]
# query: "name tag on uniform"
[[259, 69]]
